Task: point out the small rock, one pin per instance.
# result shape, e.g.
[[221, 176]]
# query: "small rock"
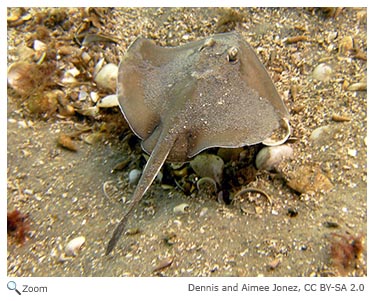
[[322, 72], [269, 157], [107, 77], [309, 179], [74, 246]]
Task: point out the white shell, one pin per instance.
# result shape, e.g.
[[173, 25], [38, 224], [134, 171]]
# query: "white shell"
[[322, 72], [94, 96], [98, 67], [108, 102], [107, 77], [74, 245], [39, 46], [181, 209], [269, 157]]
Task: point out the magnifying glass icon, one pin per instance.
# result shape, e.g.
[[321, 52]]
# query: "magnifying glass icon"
[[13, 287]]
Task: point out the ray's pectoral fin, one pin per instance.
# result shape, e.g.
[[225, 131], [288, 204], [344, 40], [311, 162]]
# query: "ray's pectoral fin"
[[152, 167]]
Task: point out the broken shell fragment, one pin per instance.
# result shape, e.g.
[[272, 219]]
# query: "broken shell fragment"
[[108, 102], [74, 246], [181, 209], [280, 135], [90, 111], [206, 184], [269, 157], [361, 86], [107, 77]]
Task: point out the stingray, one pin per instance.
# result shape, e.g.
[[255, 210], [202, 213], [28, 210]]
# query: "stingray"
[[179, 101]]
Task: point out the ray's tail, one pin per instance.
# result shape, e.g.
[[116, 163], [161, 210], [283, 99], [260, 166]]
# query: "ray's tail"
[[152, 167]]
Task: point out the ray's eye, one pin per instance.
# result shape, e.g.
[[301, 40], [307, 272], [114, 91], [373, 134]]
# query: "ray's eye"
[[233, 55]]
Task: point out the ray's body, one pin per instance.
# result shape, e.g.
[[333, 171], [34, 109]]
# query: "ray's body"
[[181, 100]]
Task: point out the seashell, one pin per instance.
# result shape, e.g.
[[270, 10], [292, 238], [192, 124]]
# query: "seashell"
[[340, 118], [281, 136], [98, 67], [322, 72], [68, 78], [94, 96], [90, 111], [323, 134], [72, 248], [269, 157], [39, 46], [20, 77], [134, 176], [86, 57], [107, 77], [208, 165], [206, 184], [361, 86], [108, 102], [181, 209]]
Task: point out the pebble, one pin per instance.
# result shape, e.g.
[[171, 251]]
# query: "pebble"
[[309, 179], [74, 246], [269, 157], [134, 176], [107, 77], [322, 72]]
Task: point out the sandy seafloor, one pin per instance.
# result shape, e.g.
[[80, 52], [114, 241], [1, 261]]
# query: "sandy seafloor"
[[62, 192]]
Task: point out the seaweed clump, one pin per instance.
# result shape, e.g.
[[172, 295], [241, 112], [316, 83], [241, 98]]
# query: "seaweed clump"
[[345, 251], [17, 225]]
